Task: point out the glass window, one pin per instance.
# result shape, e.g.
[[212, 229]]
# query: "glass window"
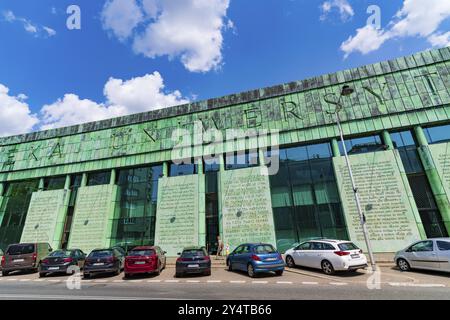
[[422, 246], [266, 248], [402, 139], [101, 253], [347, 246], [212, 164], [304, 246], [362, 145], [438, 134], [54, 183], [238, 160], [99, 178], [182, 169], [443, 245], [20, 249], [316, 246], [140, 253]]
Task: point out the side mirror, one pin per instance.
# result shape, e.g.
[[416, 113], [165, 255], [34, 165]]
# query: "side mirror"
[[179, 253], [50, 250]]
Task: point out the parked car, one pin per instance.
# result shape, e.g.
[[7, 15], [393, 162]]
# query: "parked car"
[[256, 258], [328, 255], [145, 259], [24, 256], [2, 257], [430, 254], [62, 261], [193, 260], [103, 261]]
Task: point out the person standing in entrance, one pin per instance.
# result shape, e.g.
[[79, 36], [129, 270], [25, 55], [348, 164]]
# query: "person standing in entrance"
[[219, 247]]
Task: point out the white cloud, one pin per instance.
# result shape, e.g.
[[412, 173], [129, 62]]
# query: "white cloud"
[[187, 29], [440, 39], [345, 9], [417, 18], [121, 17], [15, 114], [122, 97], [30, 27]]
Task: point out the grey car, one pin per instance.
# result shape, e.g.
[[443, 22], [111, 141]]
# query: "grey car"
[[430, 254]]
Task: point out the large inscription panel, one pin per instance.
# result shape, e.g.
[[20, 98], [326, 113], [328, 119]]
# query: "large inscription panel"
[[177, 213], [93, 210], [46, 210], [389, 214], [441, 158], [246, 207]]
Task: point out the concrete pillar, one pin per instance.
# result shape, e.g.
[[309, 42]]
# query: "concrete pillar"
[[165, 169], [67, 183], [261, 157], [112, 180], [433, 176], [219, 192], [387, 140], [335, 148], [84, 180], [41, 184]]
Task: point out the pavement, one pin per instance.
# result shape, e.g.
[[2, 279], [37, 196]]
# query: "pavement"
[[295, 283]]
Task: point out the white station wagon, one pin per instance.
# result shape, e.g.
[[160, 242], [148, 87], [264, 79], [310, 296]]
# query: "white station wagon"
[[328, 255], [430, 254]]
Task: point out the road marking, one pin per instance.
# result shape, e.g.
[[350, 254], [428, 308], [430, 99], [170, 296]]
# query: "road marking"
[[422, 285], [25, 280], [259, 282], [338, 283], [284, 282], [101, 281], [214, 281], [193, 281], [171, 280], [54, 280], [118, 280], [237, 281], [12, 279], [154, 280], [38, 280], [309, 282], [87, 281], [134, 281]]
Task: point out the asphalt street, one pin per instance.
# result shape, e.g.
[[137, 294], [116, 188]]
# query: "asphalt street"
[[294, 284]]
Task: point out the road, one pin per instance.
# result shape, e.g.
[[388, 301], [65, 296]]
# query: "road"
[[294, 284]]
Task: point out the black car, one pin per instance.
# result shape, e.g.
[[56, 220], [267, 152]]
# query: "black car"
[[193, 260], [104, 261], [62, 261]]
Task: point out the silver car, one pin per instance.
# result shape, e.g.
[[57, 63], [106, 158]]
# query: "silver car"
[[430, 254]]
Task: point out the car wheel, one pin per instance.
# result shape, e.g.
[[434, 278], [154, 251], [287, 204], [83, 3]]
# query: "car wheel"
[[208, 273], [403, 265], [327, 267], [279, 272], [230, 267], [158, 270], [86, 276], [127, 276], [290, 262], [250, 271], [41, 274], [5, 273], [178, 275]]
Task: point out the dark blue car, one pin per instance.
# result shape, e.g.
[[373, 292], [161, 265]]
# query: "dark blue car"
[[256, 258]]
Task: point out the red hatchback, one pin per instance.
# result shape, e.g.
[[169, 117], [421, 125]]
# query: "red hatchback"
[[145, 259]]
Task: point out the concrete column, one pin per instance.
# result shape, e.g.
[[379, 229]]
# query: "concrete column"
[[67, 183], [261, 157], [219, 192], [221, 163], [83, 180], [433, 176], [387, 140], [41, 184], [112, 180], [165, 169], [335, 148]]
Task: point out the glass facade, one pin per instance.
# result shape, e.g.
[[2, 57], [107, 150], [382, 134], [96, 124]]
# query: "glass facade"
[[99, 178], [14, 210], [182, 169], [305, 197], [423, 196], [238, 160], [438, 134], [138, 192], [54, 183], [362, 145]]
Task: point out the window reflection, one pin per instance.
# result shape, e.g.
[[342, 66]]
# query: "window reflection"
[[362, 145], [438, 134]]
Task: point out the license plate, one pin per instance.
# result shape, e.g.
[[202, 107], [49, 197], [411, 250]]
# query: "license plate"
[[53, 268], [139, 262], [355, 256], [19, 260], [98, 264], [193, 265], [271, 259]]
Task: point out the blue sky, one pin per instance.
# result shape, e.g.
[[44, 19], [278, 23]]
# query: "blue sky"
[[136, 55]]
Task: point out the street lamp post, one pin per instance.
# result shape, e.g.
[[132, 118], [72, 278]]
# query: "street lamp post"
[[346, 91]]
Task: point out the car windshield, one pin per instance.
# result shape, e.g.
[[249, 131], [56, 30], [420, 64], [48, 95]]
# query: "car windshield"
[[101, 254], [264, 248], [192, 253], [60, 253], [346, 246], [141, 253], [21, 249]]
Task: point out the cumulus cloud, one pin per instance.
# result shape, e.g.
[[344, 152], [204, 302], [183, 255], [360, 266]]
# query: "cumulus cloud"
[[417, 18], [440, 39], [342, 6], [15, 114], [28, 26], [122, 97], [187, 29]]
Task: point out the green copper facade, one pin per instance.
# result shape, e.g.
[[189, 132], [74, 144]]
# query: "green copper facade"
[[119, 180]]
